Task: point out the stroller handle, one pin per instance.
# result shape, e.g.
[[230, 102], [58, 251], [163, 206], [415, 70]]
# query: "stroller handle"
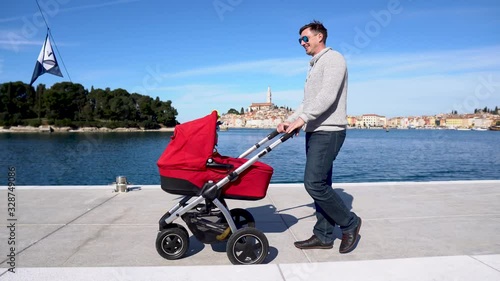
[[285, 137], [272, 135], [269, 137], [289, 135]]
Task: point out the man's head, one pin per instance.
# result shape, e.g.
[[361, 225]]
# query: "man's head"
[[313, 37]]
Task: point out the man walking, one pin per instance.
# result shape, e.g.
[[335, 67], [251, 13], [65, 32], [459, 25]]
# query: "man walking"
[[322, 113]]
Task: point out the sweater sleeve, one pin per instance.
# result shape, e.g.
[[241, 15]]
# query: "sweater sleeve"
[[333, 73], [296, 114]]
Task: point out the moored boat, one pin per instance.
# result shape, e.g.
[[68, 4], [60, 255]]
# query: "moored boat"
[[494, 128]]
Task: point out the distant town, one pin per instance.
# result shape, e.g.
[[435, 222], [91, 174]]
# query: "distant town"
[[268, 115]]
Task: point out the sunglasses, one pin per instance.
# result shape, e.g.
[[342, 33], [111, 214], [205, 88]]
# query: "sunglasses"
[[304, 38]]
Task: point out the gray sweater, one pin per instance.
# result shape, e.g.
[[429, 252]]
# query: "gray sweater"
[[325, 93]]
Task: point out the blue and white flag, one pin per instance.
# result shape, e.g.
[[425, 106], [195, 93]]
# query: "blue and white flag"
[[47, 62]]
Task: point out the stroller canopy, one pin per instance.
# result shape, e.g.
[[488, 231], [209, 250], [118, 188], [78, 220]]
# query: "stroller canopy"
[[191, 144]]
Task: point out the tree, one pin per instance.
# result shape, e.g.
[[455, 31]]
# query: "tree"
[[233, 111], [16, 103], [242, 111], [40, 91], [66, 102], [165, 113]]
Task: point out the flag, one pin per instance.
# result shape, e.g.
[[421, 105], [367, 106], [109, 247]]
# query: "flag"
[[47, 62]]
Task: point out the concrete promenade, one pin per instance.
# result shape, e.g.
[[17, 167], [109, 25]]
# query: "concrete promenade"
[[411, 231]]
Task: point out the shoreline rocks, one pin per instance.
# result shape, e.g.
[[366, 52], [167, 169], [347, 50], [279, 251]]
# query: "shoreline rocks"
[[53, 129]]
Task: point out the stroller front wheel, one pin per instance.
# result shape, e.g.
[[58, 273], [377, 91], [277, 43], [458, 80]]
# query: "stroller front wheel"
[[247, 245], [172, 243]]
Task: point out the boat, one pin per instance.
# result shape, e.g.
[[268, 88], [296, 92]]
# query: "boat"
[[479, 129], [494, 128]]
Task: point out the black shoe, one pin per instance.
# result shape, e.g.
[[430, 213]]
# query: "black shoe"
[[313, 243], [350, 239]]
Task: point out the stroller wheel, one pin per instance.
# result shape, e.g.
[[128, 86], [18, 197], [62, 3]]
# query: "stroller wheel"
[[247, 246], [242, 218], [172, 243]]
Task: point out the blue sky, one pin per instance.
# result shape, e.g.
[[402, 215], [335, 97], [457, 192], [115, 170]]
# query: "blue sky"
[[405, 57]]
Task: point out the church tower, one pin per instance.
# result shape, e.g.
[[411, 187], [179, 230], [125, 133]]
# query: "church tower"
[[269, 97], [268, 105]]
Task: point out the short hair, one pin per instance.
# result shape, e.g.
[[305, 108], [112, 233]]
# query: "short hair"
[[316, 27]]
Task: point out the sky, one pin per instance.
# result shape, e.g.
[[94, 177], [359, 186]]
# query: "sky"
[[404, 57]]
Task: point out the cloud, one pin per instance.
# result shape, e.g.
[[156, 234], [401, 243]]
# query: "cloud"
[[194, 100], [284, 67], [1, 67], [461, 11], [14, 44], [387, 84], [431, 94], [421, 64], [55, 8], [365, 66], [11, 40]]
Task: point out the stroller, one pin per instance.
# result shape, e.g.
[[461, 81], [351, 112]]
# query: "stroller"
[[190, 166]]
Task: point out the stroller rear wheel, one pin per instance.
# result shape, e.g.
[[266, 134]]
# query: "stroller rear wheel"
[[247, 245], [172, 242]]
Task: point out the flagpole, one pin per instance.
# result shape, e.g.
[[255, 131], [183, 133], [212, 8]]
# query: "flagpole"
[[57, 49], [39, 107], [49, 35]]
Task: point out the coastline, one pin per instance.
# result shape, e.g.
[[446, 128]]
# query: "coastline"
[[53, 129]]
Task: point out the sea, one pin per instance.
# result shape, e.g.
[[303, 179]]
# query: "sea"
[[368, 155]]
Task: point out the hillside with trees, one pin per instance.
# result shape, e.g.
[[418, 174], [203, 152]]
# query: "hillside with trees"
[[68, 104]]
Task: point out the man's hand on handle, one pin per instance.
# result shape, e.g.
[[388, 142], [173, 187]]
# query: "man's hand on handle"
[[287, 127]]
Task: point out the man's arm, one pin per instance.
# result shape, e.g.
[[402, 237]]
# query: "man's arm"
[[333, 76]]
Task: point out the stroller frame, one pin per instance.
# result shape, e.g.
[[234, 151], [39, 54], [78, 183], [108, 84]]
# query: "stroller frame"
[[245, 243]]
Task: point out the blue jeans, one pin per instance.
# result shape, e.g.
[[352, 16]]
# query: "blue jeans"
[[322, 148]]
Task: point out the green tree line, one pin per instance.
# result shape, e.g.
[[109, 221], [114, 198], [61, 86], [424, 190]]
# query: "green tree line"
[[70, 104], [487, 110]]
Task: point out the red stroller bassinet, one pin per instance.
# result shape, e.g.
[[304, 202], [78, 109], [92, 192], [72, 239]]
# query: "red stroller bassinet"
[[189, 162]]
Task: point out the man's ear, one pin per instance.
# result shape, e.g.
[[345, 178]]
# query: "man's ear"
[[320, 35]]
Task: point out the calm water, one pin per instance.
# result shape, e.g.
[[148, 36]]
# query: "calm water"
[[367, 156]]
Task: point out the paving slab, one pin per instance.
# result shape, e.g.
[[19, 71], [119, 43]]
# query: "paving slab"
[[435, 268], [92, 231], [457, 268]]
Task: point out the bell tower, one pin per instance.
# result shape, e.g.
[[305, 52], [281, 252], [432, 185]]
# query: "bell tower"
[[269, 95]]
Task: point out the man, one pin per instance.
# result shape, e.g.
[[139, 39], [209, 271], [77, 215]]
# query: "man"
[[322, 113]]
